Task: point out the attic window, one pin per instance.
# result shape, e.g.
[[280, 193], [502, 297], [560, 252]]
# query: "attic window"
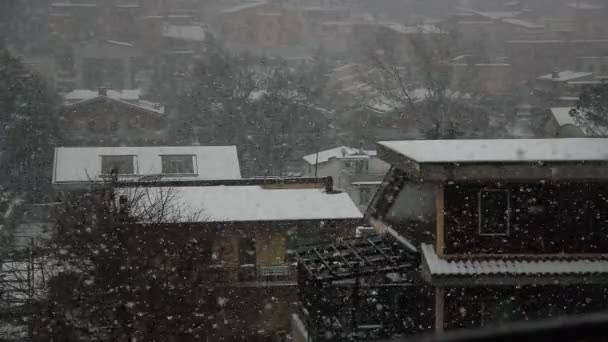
[[124, 164], [178, 164], [494, 212]]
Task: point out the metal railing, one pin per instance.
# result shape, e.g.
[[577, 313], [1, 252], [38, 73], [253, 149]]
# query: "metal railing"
[[254, 273]]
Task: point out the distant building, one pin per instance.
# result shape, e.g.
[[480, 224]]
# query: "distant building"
[[482, 78], [81, 166], [563, 125], [556, 87], [111, 117], [358, 172], [529, 57]]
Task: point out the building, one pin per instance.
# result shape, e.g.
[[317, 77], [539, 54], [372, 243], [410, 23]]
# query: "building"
[[81, 166], [508, 230], [493, 79], [358, 172], [251, 226], [528, 57], [561, 124], [111, 117], [555, 87]]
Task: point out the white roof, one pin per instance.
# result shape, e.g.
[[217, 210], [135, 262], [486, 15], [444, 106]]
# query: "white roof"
[[245, 5], [324, 156], [250, 203], [475, 267], [85, 94], [82, 164], [523, 23], [341, 152], [562, 117], [185, 32], [501, 150], [127, 96], [423, 29], [584, 5], [566, 75]]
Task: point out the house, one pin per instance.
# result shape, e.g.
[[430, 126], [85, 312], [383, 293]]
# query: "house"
[[505, 228], [529, 56], [80, 166], [561, 124], [106, 63], [111, 117], [560, 84], [251, 226], [357, 171]]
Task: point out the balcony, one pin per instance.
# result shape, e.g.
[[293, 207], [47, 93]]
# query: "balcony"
[[254, 275], [349, 177]]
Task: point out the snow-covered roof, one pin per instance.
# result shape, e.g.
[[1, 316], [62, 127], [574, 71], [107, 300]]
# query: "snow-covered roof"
[[584, 6], [324, 156], [128, 96], [86, 94], [367, 183], [73, 4], [341, 152], [184, 32], [245, 5], [83, 164], [523, 266], [566, 75], [492, 14], [251, 203], [523, 23], [501, 150], [422, 29], [562, 117]]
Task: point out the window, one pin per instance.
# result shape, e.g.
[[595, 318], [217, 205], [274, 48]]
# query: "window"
[[124, 164], [361, 165], [113, 125], [91, 125], [365, 194], [494, 212], [178, 164]]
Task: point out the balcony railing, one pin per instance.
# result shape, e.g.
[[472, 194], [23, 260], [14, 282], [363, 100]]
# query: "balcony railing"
[[249, 273]]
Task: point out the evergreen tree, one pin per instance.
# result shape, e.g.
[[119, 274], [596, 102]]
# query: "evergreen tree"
[[591, 111], [26, 115]]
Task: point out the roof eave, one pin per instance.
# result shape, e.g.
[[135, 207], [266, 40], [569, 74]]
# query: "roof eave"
[[497, 170]]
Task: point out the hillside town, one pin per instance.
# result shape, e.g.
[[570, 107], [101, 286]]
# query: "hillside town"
[[301, 170]]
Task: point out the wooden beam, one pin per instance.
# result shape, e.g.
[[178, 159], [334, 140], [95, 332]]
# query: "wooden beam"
[[439, 309], [440, 207]]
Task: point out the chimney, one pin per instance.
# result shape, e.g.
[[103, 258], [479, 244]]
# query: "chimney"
[[102, 91], [555, 74]]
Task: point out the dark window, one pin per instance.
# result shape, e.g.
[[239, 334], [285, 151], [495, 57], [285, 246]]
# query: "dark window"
[[494, 212], [114, 126], [179, 164], [91, 125], [124, 164], [365, 194], [247, 259]]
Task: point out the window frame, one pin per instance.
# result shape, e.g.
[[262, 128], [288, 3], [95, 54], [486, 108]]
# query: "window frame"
[[480, 216], [133, 160], [194, 160]]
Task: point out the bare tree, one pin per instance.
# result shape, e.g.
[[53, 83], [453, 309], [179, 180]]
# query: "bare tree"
[[424, 84], [126, 263]]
